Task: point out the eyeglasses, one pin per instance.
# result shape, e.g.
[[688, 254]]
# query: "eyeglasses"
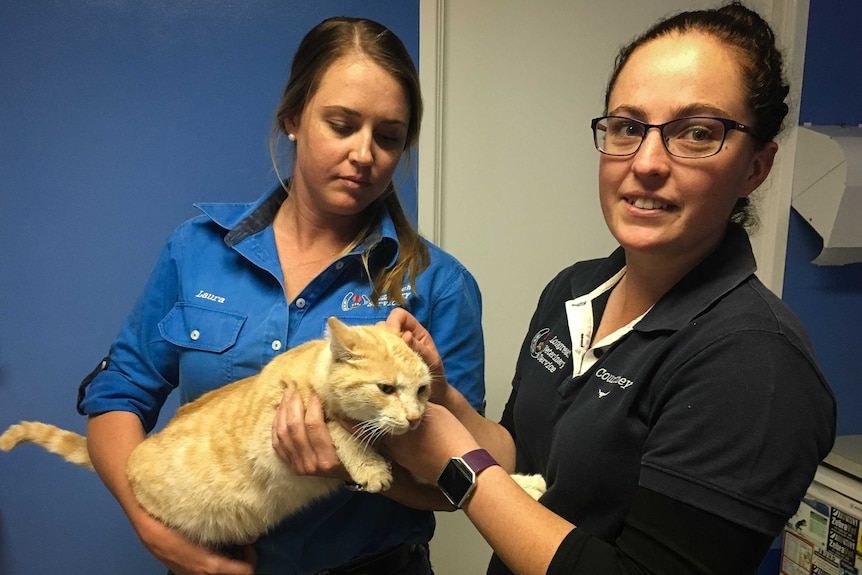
[[693, 137]]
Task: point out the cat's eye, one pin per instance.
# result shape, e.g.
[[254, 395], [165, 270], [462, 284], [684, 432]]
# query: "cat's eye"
[[424, 390], [386, 388]]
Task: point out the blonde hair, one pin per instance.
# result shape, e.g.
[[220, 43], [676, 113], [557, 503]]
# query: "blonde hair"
[[327, 42]]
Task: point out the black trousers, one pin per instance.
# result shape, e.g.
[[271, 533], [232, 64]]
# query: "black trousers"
[[402, 560]]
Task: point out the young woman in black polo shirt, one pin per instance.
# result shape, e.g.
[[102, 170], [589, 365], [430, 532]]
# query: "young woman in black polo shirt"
[[672, 403]]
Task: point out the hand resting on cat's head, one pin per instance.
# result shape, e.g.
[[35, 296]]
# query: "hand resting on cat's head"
[[212, 472], [419, 339]]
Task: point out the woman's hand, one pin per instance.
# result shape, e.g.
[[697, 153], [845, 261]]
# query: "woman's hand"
[[418, 338], [183, 557], [301, 437], [426, 450], [467, 427]]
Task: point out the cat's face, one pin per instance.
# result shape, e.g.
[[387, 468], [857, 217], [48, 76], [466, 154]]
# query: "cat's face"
[[377, 379]]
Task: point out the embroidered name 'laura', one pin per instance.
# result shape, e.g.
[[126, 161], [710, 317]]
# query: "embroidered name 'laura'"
[[212, 297]]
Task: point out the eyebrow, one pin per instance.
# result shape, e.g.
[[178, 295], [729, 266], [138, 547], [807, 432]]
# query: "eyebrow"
[[693, 109], [355, 114]]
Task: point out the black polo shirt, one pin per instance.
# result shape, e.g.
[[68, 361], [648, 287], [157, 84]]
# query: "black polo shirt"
[[713, 399]]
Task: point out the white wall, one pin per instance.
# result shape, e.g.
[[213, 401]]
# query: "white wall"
[[507, 168]]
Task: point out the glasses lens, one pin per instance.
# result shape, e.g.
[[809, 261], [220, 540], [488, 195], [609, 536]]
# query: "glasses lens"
[[694, 137], [618, 136]]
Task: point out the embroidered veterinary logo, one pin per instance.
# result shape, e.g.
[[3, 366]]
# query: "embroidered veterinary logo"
[[353, 300], [538, 342], [212, 297], [550, 352]]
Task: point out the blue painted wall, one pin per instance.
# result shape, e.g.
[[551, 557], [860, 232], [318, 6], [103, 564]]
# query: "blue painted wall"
[[115, 116], [828, 299]]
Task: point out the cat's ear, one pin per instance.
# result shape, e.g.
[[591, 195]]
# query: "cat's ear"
[[341, 339]]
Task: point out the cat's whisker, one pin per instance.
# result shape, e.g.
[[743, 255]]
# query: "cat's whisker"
[[380, 430], [367, 433], [362, 430]]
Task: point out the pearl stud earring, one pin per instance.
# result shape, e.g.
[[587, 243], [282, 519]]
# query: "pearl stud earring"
[[291, 137]]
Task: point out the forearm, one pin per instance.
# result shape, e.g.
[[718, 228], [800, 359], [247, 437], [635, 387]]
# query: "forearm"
[[523, 533], [489, 434], [111, 437], [407, 490]]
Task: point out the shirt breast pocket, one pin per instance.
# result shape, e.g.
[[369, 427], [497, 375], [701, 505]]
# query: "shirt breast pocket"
[[207, 343], [197, 327]]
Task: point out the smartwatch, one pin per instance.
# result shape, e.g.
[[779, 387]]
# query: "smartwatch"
[[457, 481]]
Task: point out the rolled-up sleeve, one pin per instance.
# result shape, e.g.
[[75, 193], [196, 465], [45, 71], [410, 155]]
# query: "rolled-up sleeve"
[[143, 366]]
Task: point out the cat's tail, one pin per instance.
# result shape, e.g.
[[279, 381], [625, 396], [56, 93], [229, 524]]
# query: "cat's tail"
[[68, 444]]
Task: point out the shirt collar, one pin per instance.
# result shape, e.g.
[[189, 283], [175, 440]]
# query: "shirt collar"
[[244, 220], [382, 241], [723, 270]]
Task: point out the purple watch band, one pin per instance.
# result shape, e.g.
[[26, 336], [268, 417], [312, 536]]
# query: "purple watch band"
[[478, 460]]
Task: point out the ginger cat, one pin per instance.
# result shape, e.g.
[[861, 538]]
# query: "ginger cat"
[[212, 473]]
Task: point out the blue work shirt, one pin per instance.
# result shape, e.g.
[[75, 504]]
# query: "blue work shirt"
[[214, 311]]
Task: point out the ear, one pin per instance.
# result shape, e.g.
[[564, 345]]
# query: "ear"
[[341, 339], [290, 125], [761, 165]]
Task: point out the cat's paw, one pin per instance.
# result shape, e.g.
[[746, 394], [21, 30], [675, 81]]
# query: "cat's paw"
[[373, 478], [534, 485]]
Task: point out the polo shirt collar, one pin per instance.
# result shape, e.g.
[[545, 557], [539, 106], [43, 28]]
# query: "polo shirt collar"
[[724, 269], [728, 266]]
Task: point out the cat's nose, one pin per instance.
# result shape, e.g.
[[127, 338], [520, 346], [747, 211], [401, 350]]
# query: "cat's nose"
[[413, 420]]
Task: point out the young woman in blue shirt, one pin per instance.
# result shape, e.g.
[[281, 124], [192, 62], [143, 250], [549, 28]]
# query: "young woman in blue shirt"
[[244, 282]]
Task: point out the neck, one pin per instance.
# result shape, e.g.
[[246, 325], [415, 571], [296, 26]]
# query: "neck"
[[306, 230], [650, 276], [638, 291]]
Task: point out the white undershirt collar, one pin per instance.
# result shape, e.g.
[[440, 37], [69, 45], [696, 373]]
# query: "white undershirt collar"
[[579, 313]]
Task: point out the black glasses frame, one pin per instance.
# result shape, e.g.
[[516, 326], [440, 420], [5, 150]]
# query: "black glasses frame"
[[727, 123]]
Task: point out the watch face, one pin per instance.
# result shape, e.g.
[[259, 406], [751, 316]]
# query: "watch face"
[[456, 481]]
